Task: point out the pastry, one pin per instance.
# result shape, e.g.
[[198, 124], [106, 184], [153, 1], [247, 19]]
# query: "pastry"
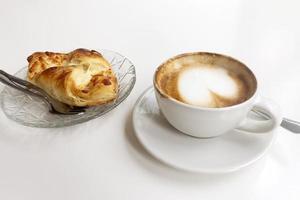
[[79, 78]]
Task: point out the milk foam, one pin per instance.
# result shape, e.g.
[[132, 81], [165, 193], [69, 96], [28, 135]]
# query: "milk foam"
[[198, 85]]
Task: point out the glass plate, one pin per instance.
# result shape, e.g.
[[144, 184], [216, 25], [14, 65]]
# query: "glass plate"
[[32, 111]]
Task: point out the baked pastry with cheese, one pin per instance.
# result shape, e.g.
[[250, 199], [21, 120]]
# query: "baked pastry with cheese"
[[79, 78]]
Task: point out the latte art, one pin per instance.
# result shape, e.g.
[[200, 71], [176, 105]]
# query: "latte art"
[[205, 81], [207, 86]]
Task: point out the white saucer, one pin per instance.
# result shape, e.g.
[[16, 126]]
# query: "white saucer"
[[229, 152]]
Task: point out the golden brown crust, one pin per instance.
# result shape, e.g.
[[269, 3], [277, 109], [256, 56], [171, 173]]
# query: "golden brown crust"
[[79, 78]]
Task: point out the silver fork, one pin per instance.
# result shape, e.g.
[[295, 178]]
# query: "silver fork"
[[54, 106]]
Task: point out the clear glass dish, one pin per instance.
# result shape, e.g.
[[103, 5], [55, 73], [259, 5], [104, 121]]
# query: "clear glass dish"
[[32, 111]]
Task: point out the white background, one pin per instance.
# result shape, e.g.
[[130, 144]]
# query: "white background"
[[102, 159]]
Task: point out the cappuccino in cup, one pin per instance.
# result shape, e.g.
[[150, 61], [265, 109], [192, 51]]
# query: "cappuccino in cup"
[[202, 80], [207, 94]]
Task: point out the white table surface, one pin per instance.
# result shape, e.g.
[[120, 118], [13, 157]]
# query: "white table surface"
[[102, 159]]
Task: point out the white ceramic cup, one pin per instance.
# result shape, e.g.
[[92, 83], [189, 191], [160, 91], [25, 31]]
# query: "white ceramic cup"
[[210, 122]]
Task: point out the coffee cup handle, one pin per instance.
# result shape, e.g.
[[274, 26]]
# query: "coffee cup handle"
[[266, 108]]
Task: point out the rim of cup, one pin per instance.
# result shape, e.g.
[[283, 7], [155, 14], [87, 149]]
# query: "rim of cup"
[[163, 95]]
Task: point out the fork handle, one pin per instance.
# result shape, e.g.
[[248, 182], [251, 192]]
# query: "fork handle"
[[19, 84]]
